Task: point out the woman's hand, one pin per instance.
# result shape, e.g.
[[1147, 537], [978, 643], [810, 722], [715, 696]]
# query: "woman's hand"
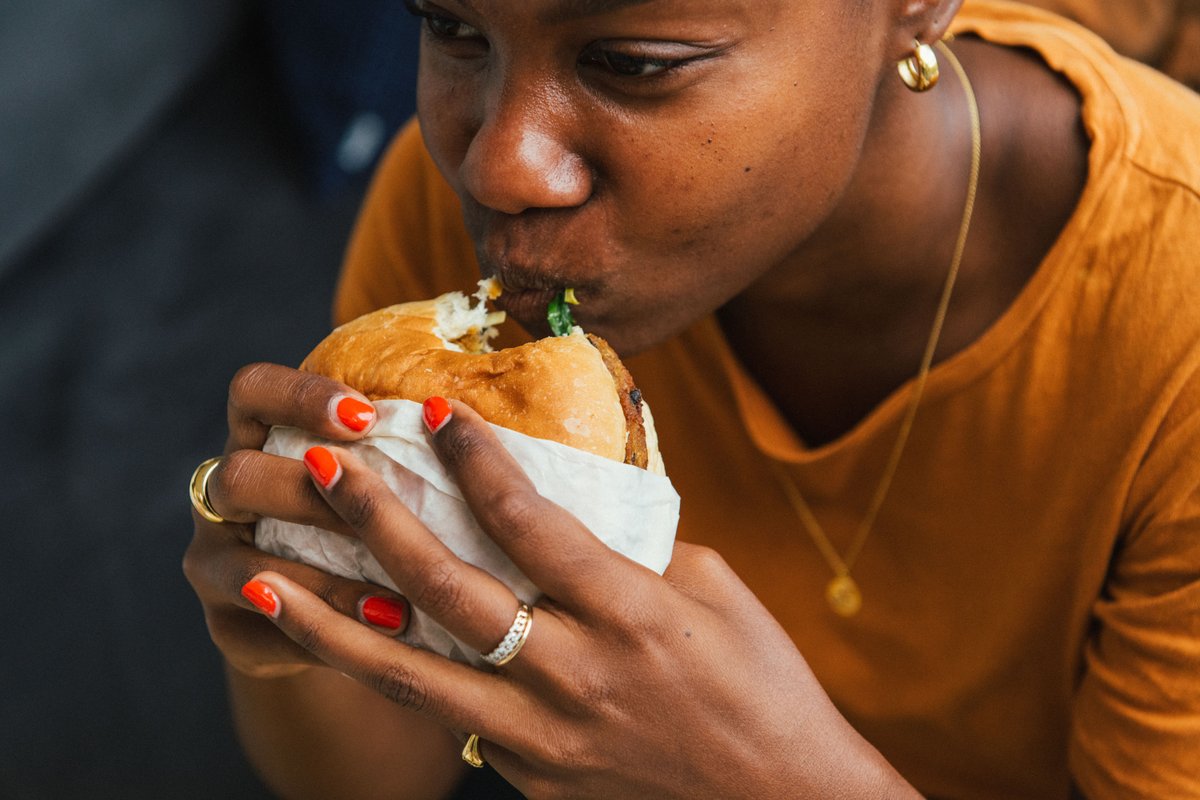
[[630, 684], [249, 484]]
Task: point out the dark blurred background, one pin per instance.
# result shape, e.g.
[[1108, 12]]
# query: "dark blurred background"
[[178, 179]]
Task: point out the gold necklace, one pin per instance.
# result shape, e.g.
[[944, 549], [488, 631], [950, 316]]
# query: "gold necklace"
[[842, 592]]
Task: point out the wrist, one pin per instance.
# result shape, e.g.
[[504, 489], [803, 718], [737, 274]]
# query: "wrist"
[[860, 771], [825, 756]]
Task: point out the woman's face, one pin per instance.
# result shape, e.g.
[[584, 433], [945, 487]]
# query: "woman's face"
[[659, 156]]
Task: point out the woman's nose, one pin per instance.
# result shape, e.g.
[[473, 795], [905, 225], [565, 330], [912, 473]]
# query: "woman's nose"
[[520, 159]]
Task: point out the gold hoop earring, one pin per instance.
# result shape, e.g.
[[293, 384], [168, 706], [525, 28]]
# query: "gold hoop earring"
[[920, 70]]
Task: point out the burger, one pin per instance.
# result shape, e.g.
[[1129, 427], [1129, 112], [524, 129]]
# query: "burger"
[[570, 388]]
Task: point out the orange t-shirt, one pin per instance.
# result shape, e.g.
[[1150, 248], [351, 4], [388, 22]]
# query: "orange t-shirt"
[[1164, 33], [1032, 585]]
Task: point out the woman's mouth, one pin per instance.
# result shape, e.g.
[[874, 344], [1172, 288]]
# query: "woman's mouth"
[[527, 305]]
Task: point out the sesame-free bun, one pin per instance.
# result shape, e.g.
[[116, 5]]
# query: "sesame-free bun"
[[568, 389]]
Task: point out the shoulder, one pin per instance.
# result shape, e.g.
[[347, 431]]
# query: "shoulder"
[[1143, 165], [1132, 110]]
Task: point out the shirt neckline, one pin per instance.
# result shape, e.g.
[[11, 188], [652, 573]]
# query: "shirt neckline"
[[1001, 23]]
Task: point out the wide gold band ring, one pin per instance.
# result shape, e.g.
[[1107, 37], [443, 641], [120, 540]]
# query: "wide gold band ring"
[[514, 640], [470, 753], [199, 490]]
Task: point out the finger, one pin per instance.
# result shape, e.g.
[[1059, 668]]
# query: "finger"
[[218, 567], [543, 539], [272, 654], [250, 484], [453, 694], [466, 600], [262, 395]]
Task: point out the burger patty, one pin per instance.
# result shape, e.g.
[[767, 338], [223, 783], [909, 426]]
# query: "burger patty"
[[631, 403]]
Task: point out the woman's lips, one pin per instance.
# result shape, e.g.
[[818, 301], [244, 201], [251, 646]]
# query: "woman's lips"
[[527, 305]]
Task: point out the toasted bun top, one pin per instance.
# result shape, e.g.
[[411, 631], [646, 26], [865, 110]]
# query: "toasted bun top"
[[556, 388]]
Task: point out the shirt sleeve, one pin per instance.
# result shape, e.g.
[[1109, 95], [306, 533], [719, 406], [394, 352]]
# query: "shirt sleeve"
[[1140, 29], [1136, 724]]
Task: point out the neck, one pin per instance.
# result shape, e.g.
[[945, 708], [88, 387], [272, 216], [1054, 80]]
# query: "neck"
[[858, 299], [855, 304]]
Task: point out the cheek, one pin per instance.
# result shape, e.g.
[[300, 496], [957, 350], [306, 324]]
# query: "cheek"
[[446, 124], [732, 197]]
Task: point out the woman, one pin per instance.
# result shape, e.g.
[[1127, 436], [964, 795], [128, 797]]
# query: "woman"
[[982, 584]]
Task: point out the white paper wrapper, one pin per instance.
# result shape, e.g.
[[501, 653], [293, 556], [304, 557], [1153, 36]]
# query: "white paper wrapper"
[[633, 511]]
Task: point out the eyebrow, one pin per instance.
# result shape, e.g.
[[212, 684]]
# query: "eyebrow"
[[568, 10]]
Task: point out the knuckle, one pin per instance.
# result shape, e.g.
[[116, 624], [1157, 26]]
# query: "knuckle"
[[327, 591], [241, 567], [190, 567], [330, 590], [359, 508], [707, 562], [246, 380], [701, 574], [256, 562], [312, 389], [308, 634], [633, 615], [519, 510], [402, 686], [441, 591], [229, 474], [204, 565], [643, 627], [593, 695], [458, 445]]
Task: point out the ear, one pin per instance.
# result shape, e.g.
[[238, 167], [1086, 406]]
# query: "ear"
[[925, 21]]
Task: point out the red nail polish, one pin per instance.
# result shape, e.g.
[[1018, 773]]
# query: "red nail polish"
[[323, 466], [437, 413], [384, 612], [355, 414], [262, 596]]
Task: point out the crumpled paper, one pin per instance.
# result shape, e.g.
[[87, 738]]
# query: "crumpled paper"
[[633, 511]]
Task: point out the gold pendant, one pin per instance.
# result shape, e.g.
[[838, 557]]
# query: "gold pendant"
[[843, 595]]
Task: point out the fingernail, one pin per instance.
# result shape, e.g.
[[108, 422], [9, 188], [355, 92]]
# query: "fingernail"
[[263, 597], [384, 612], [437, 413], [323, 466], [355, 414]]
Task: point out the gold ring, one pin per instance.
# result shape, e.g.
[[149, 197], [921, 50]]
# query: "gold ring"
[[470, 753], [199, 492], [514, 640]]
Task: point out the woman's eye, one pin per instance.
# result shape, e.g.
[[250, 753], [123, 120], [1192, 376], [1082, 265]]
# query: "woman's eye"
[[450, 28], [629, 66], [441, 25]]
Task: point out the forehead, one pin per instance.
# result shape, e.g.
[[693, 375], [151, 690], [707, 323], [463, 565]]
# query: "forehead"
[[551, 12], [569, 9]]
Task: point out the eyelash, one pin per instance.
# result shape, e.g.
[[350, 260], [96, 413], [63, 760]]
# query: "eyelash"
[[621, 65], [625, 65], [433, 19]]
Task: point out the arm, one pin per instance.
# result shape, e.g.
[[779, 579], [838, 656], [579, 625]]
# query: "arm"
[[1136, 726], [308, 730], [317, 734], [631, 684], [300, 731]]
